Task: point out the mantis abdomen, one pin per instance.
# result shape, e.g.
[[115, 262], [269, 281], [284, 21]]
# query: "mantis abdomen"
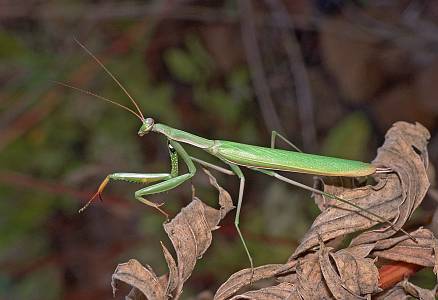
[[290, 161]]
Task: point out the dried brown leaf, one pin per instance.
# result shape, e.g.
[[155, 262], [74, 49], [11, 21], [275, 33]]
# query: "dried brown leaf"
[[345, 283], [395, 293], [359, 251], [294, 296], [225, 201], [172, 277], [393, 197], [310, 283], [407, 290], [418, 292], [144, 279], [405, 152], [135, 294], [287, 273], [405, 249], [358, 273], [242, 279], [281, 291], [190, 234], [342, 219]]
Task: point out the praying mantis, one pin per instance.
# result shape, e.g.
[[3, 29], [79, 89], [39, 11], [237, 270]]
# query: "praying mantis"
[[266, 160]]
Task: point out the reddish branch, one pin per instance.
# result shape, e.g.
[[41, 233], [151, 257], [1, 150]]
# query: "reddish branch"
[[55, 188]]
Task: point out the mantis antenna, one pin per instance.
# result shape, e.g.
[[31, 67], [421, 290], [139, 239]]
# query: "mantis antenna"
[[112, 76], [99, 97]]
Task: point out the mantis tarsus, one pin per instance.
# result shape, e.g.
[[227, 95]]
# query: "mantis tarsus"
[[260, 159]]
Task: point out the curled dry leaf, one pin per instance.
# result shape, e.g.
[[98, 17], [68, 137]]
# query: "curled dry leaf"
[[278, 292], [305, 282], [418, 292], [351, 277], [404, 249], [405, 152], [190, 234], [395, 293], [357, 273], [326, 274], [407, 290], [143, 279], [309, 278], [394, 197], [342, 219], [242, 278]]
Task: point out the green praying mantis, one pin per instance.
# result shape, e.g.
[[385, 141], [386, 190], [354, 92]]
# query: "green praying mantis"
[[236, 155]]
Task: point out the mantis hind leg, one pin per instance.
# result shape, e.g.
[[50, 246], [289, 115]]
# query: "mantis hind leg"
[[371, 215], [212, 166], [274, 135]]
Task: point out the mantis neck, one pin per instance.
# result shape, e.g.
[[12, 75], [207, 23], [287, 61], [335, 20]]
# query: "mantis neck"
[[182, 136]]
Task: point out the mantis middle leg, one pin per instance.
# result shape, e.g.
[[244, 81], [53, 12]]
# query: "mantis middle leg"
[[235, 170], [239, 174], [274, 134]]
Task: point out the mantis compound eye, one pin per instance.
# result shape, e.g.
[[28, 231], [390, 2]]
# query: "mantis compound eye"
[[171, 149], [149, 121]]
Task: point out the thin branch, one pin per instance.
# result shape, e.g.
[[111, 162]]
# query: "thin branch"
[[114, 10], [20, 180], [256, 67], [300, 75]]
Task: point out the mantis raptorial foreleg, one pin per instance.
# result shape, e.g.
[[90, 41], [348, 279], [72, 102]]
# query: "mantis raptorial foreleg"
[[143, 178], [172, 182], [169, 180], [274, 134]]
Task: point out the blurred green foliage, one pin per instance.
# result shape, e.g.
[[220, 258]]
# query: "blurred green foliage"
[[349, 138], [83, 139]]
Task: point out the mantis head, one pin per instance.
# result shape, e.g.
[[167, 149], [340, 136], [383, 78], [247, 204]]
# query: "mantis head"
[[146, 127]]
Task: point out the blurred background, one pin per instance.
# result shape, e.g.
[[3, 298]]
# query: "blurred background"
[[332, 76]]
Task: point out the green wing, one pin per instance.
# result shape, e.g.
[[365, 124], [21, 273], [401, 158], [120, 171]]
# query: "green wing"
[[278, 159]]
